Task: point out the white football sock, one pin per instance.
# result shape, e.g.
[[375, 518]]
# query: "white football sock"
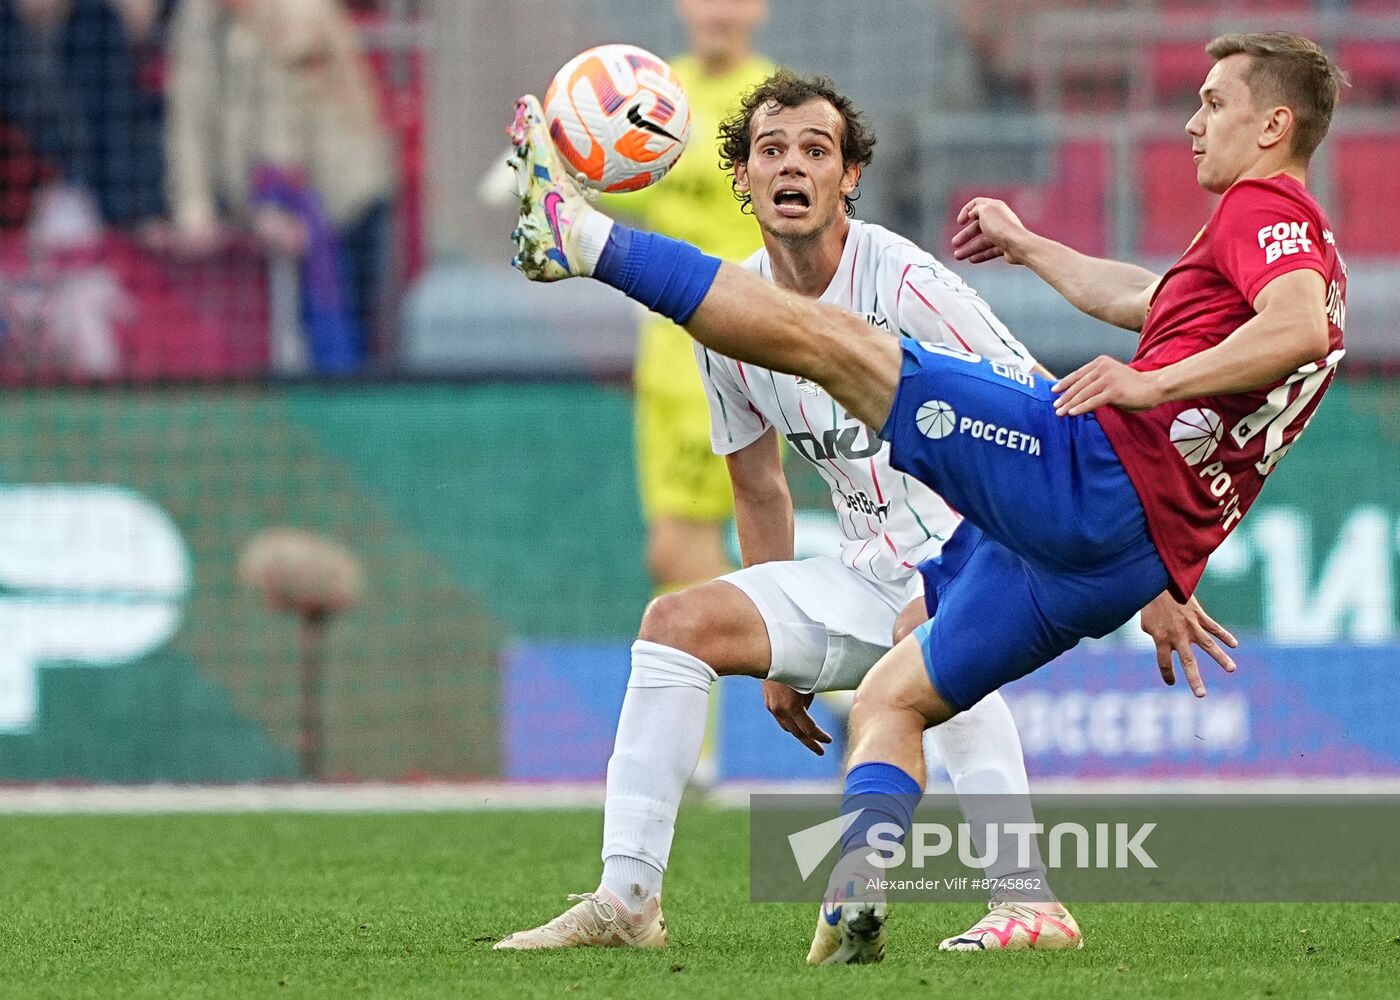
[[593, 230], [659, 734], [981, 750]]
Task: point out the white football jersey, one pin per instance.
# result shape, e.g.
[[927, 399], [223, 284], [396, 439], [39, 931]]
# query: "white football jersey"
[[890, 521]]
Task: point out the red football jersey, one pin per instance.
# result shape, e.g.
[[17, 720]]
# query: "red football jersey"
[[1198, 464]]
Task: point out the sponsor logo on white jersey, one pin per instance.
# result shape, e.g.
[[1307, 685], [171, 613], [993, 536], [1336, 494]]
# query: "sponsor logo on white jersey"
[[861, 503], [837, 442]]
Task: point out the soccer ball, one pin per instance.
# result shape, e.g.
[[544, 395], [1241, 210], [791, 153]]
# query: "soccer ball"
[[618, 116]]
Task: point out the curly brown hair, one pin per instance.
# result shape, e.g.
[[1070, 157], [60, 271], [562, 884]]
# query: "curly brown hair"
[[787, 89]]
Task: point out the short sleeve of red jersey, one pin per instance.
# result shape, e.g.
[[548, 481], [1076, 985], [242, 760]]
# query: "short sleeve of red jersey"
[[1264, 230]]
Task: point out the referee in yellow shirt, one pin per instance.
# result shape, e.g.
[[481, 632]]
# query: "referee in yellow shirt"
[[685, 492]]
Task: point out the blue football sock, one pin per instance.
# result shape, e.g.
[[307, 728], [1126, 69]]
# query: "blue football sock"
[[884, 794], [665, 275]]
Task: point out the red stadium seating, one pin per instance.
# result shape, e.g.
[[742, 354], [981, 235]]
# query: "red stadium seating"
[[1367, 202], [1069, 207], [1090, 85], [1172, 206], [179, 318], [22, 171], [1178, 69], [1374, 67], [1234, 8], [403, 103]]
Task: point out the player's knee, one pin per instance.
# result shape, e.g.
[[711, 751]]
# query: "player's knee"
[[676, 620], [871, 703]]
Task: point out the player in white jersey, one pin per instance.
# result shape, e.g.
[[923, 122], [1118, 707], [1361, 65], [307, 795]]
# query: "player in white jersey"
[[889, 520], [816, 624], [828, 618]]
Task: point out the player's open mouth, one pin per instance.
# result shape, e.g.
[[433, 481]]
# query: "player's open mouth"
[[791, 202]]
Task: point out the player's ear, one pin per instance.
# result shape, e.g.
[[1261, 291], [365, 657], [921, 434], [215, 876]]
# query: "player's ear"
[[1277, 127], [741, 177], [850, 180]]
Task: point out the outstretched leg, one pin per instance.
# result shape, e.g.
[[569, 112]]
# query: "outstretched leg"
[[724, 307]]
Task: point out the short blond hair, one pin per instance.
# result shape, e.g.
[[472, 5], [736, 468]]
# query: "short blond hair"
[[1291, 70]]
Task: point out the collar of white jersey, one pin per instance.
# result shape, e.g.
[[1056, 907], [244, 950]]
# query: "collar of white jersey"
[[838, 292]]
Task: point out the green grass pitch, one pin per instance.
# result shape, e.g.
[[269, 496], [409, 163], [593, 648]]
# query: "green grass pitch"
[[399, 905]]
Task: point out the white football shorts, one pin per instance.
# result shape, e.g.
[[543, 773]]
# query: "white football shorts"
[[827, 624]]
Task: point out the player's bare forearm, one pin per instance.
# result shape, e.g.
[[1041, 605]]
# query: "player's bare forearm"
[[1113, 291], [1288, 331], [762, 504], [1110, 290], [750, 319]]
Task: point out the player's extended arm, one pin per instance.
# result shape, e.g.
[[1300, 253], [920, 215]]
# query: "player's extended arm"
[[1288, 331], [763, 515], [762, 503], [1110, 290]]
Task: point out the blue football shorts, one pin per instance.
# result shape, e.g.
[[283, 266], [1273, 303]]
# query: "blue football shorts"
[[1054, 544]]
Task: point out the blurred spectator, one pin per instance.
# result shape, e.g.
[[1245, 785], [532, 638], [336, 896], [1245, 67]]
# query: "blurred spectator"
[[685, 492], [62, 304], [1005, 35], [273, 122], [70, 93]]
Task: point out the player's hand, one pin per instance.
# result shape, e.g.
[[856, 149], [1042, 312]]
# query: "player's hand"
[[1174, 627], [196, 233], [790, 709], [1106, 381], [281, 231], [990, 230]]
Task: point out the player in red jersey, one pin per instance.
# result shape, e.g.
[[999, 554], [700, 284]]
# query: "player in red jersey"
[[1231, 361], [1082, 504]]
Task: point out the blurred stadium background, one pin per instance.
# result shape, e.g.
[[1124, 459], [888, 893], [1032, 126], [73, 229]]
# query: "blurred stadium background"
[[170, 393]]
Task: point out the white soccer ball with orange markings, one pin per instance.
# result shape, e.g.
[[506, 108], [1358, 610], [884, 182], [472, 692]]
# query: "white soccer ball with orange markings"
[[618, 116]]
